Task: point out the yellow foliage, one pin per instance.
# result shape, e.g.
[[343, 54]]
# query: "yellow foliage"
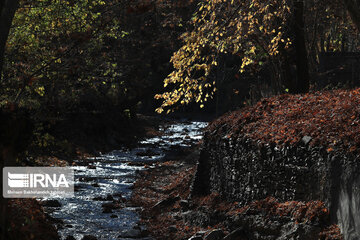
[[248, 28]]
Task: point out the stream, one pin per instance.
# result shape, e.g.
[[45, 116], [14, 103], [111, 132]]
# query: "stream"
[[103, 186]]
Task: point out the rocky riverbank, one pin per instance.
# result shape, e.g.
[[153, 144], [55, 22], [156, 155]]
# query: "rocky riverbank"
[[286, 168], [171, 212]]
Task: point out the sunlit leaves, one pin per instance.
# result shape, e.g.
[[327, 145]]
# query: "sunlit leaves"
[[251, 29], [40, 91]]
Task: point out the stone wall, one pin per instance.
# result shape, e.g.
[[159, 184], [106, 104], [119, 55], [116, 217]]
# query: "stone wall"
[[243, 170]]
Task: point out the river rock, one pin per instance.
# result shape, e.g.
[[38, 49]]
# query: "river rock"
[[203, 217], [109, 197], [99, 198], [91, 167], [165, 203], [238, 234], [86, 179], [306, 140], [108, 207], [89, 237], [119, 195], [78, 188], [56, 221], [184, 204], [173, 229], [51, 203], [147, 153], [143, 231], [133, 233], [216, 234]]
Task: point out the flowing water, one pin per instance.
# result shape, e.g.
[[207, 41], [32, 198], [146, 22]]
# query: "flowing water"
[[109, 178]]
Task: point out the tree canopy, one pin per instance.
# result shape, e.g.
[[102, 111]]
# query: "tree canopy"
[[261, 34]]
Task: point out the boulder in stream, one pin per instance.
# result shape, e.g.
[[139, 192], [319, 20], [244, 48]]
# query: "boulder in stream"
[[51, 203], [89, 237]]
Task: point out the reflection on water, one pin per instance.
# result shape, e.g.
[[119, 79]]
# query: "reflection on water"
[[110, 178]]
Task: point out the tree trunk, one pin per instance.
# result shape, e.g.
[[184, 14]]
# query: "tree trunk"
[[302, 67], [7, 12], [353, 7]]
